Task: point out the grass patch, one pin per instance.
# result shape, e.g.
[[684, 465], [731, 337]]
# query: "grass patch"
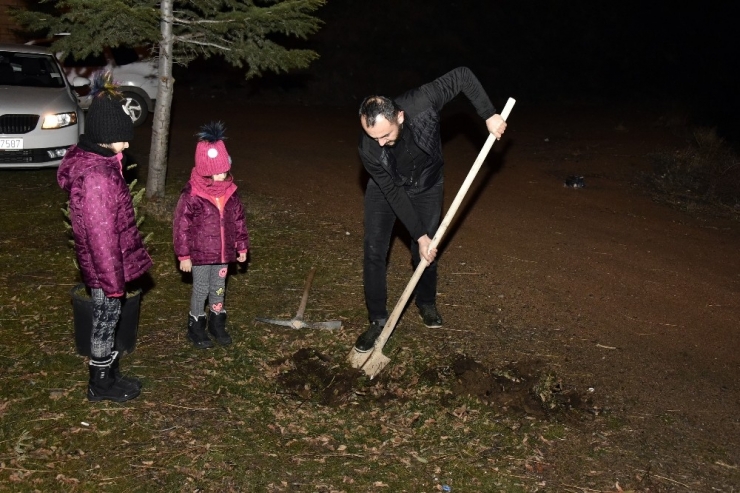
[[703, 177], [223, 420]]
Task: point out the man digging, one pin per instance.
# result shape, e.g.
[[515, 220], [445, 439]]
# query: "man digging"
[[401, 149]]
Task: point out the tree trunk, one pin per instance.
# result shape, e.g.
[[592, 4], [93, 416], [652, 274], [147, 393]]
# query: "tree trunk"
[[155, 183]]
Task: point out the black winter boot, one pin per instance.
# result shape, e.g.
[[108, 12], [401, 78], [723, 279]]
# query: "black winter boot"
[[197, 331], [430, 316], [366, 341], [103, 385], [217, 328], [132, 382]]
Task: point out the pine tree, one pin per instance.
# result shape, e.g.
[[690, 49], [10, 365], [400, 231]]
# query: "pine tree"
[[241, 31]]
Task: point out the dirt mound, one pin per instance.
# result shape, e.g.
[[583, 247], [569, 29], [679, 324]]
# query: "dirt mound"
[[313, 376], [522, 388], [519, 388]]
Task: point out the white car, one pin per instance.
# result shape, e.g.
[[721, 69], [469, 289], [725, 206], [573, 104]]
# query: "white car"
[[39, 114], [135, 74], [133, 70]]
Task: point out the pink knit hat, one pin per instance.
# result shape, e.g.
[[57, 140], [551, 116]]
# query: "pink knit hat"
[[211, 157]]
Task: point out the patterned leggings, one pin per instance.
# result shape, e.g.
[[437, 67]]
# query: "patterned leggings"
[[106, 312], [209, 282]]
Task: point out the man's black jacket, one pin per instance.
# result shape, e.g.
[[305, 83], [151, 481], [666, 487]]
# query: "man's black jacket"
[[421, 107]]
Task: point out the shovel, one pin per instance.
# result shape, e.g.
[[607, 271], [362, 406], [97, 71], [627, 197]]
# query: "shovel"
[[297, 321], [373, 361]]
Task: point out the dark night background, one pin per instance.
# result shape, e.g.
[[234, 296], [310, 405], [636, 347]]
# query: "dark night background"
[[661, 55]]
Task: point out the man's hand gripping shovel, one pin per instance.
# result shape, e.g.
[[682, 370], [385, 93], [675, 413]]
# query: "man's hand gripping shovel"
[[373, 361]]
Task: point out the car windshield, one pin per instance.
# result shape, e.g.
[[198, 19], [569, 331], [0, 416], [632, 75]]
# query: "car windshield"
[[29, 70]]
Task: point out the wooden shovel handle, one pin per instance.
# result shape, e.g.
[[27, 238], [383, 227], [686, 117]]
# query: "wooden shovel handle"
[[469, 179], [391, 323], [304, 300]]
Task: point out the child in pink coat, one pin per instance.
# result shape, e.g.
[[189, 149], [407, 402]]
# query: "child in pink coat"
[[109, 248], [209, 233]]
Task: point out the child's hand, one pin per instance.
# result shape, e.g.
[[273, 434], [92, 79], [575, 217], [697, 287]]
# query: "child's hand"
[[186, 265], [242, 257]]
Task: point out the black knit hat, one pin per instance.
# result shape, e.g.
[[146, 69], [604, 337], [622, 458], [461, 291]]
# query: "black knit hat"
[[107, 121]]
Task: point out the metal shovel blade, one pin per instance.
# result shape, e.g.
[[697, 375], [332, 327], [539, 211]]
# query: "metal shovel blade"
[[371, 362], [330, 325], [300, 324], [293, 323]]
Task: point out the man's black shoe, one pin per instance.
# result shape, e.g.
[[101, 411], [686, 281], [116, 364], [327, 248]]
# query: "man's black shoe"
[[430, 316], [366, 341]]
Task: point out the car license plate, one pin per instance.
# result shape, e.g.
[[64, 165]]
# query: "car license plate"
[[11, 144]]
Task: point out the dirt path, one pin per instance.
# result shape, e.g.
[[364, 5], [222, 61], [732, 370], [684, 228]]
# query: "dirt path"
[[636, 301]]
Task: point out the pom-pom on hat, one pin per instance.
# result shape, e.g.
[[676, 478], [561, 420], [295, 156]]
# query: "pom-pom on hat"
[[107, 120], [211, 157]]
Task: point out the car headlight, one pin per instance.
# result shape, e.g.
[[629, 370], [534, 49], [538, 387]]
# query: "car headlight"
[[60, 120]]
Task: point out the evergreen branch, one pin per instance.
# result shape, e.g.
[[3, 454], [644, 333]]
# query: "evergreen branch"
[[179, 20], [188, 39]]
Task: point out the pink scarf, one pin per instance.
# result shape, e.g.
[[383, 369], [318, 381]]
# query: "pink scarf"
[[206, 185]]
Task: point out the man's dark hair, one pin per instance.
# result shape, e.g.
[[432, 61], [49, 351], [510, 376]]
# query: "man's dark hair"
[[374, 106]]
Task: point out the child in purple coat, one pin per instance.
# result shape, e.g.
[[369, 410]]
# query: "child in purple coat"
[[109, 248], [209, 232]]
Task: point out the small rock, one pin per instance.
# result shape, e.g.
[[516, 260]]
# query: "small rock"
[[574, 182]]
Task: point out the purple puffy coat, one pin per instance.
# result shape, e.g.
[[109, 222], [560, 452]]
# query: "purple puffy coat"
[[109, 248], [205, 235]]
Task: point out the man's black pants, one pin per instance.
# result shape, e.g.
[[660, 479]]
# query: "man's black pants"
[[379, 222]]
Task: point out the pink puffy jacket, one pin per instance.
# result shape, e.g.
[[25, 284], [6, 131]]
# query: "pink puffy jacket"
[[205, 235], [109, 248]]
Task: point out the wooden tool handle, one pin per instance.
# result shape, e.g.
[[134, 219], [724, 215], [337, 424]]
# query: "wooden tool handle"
[[304, 300], [469, 180]]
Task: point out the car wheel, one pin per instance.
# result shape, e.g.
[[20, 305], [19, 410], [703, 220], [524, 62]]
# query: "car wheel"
[[136, 107]]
